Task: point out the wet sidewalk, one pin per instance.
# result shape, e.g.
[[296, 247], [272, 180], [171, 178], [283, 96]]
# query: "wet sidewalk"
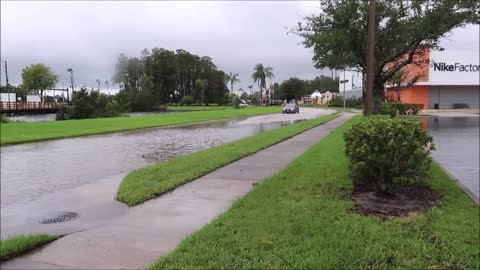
[[145, 232]]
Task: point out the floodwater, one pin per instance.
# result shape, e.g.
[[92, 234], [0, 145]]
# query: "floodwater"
[[29, 171], [457, 147], [33, 117], [51, 116]]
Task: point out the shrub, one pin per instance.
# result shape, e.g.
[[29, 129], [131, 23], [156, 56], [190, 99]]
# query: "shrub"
[[386, 152], [222, 100], [112, 109], [255, 100], [90, 104], [4, 119], [187, 100], [235, 102], [389, 109], [349, 102], [63, 114], [407, 108], [161, 108]]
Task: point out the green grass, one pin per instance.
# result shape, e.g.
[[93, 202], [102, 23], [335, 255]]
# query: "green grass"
[[197, 108], [20, 244], [303, 218], [149, 182], [36, 131], [338, 109]]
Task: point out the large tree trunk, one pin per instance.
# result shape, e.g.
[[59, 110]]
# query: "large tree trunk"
[[40, 94], [378, 95]]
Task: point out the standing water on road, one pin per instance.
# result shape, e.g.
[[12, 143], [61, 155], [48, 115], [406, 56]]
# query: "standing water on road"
[[35, 169], [457, 143]]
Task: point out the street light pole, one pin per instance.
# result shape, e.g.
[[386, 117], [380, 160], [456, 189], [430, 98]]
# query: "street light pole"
[[369, 102]]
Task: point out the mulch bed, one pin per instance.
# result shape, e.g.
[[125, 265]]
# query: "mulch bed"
[[412, 198]]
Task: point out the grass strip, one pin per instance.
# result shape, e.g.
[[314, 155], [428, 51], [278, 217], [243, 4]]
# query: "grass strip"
[[36, 131], [20, 244], [303, 218], [149, 182], [338, 109], [197, 108]]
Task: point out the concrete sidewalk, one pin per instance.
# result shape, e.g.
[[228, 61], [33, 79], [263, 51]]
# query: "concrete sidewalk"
[[152, 229]]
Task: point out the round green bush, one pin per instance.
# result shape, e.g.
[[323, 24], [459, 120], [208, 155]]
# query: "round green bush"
[[235, 102], [187, 100], [386, 153]]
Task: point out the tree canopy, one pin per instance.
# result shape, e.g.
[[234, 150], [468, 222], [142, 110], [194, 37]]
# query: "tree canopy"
[[404, 29], [161, 76], [295, 88], [232, 79], [260, 74], [37, 78]]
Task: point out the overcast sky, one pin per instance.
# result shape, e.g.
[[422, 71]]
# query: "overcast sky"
[[89, 35]]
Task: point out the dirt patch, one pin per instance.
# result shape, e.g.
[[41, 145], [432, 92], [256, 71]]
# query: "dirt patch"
[[410, 198]]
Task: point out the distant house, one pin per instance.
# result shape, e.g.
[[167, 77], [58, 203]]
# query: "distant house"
[[316, 97], [327, 96]]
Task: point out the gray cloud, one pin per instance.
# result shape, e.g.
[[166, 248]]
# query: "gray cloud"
[[88, 36]]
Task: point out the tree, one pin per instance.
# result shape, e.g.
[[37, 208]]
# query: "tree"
[[260, 73], [402, 79], [160, 76], [244, 96], [232, 79], [404, 29], [323, 84], [293, 88], [98, 83], [250, 87], [200, 89], [107, 83], [38, 78]]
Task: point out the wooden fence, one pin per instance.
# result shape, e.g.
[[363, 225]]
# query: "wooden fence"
[[30, 106]]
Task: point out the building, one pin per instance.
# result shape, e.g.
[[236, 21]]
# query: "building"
[[449, 79], [446, 79], [350, 83]]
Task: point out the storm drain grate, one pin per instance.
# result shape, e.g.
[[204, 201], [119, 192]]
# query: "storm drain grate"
[[60, 217]]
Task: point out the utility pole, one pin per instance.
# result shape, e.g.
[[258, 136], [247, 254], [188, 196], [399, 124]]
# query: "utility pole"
[[369, 103], [344, 84], [71, 80], [6, 81]]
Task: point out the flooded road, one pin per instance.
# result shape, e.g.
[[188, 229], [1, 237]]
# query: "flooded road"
[[32, 170], [457, 147]]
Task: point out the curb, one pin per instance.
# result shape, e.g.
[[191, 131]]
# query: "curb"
[[465, 190]]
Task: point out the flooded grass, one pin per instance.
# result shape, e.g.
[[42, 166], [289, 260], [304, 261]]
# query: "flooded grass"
[[36, 131], [301, 219], [147, 183], [20, 244]]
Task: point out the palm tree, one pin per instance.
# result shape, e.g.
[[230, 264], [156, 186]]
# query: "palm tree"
[[260, 73], [250, 87], [98, 82], [107, 83], [232, 79]]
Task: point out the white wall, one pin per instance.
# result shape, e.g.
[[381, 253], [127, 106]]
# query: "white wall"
[[453, 67], [35, 98], [4, 97], [354, 78]]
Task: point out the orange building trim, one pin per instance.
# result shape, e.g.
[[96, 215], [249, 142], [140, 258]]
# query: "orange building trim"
[[415, 94]]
